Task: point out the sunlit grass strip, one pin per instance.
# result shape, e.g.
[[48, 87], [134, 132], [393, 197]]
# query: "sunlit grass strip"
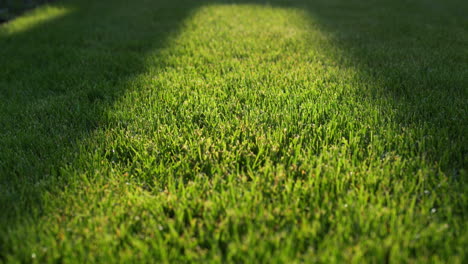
[[33, 19]]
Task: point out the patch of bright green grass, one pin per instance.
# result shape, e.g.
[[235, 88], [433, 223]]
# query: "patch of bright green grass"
[[225, 131]]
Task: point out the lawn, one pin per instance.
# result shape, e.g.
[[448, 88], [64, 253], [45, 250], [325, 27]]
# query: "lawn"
[[9, 9], [279, 131]]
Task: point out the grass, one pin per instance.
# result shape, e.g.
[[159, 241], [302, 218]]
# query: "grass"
[[235, 131], [10, 9]]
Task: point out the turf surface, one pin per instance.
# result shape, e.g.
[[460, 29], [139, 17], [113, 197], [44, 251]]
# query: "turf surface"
[[235, 131]]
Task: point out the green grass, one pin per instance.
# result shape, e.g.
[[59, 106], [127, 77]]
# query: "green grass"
[[328, 131], [10, 9]]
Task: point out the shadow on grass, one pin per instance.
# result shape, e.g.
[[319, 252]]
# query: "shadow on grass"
[[9, 9], [52, 98], [58, 77], [410, 54], [410, 60]]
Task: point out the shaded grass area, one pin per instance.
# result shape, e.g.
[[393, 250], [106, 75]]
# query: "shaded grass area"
[[10, 9], [321, 131]]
